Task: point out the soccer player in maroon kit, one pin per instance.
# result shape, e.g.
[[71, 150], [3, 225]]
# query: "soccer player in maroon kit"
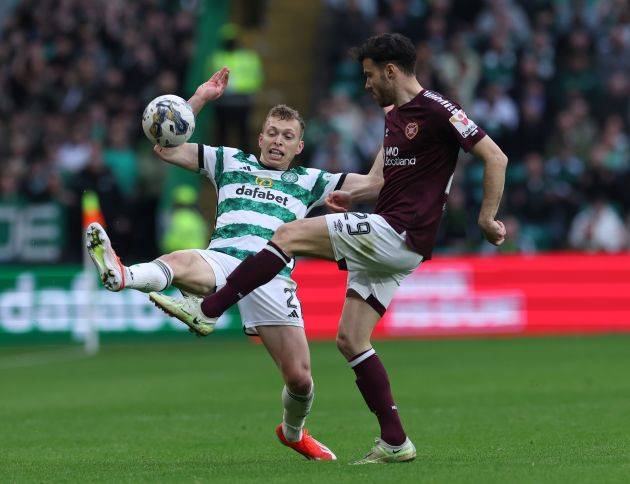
[[410, 180]]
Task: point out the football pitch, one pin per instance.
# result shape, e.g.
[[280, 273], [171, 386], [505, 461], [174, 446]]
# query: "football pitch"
[[502, 410]]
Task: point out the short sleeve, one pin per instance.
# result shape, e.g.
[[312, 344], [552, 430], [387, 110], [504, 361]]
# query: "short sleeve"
[[325, 183], [212, 160], [465, 130]]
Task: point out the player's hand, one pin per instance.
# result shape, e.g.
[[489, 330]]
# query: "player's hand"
[[213, 88], [165, 153], [338, 201], [494, 231]]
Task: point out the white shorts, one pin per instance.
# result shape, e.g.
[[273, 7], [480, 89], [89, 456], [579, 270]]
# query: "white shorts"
[[375, 255], [273, 304]]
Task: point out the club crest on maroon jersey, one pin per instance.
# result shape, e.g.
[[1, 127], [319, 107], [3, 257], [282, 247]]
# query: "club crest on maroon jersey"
[[411, 130]]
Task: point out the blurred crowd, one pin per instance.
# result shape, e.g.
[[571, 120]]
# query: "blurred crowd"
[[549, 80], [75, 77]]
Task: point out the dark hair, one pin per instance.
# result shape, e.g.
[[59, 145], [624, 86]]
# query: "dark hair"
[[286, 113], [394, 48]]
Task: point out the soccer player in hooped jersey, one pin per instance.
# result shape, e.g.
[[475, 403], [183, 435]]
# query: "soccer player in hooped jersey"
[[410, 181], [255, 197]]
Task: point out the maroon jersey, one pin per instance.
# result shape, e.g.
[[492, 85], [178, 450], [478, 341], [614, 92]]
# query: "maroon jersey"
[[421, 145]]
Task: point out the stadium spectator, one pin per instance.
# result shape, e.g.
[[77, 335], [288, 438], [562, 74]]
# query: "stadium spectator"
[[233, 109], [498, 112], [459, 69], [186, 229], [76, 75], [551, 76], [598, 227]]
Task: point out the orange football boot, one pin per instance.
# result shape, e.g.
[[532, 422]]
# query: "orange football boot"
[[307, 446]]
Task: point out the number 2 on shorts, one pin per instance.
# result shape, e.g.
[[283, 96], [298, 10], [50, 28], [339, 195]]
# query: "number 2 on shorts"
[[291, 296]]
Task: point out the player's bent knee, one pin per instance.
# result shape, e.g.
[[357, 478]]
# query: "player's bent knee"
[[299, 380], [349, 347], [344, 345], [178, 260], [284, 237]]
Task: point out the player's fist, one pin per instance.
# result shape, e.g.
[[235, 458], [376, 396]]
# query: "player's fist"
[[493, 230], [213, 88], [338, 201]]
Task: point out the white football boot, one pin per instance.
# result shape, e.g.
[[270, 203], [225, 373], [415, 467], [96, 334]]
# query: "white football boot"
[[187, 310], [110, 269], [383, 453]]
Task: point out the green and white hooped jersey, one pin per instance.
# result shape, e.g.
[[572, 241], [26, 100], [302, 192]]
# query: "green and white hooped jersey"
[[253, 201]]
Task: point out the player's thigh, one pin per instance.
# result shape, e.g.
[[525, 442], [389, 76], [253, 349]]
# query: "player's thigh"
[[358, 319], [191, 271], [306, 237], [287, 345], [272, 304], [366, 242]]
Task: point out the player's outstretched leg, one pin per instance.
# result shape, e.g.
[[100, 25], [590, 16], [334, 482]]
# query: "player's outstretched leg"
[[301, 237], [149, 276], [187, 310], [253, 272], [110, 270]]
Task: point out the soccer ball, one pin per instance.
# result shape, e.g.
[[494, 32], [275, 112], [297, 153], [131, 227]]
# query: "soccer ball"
[[168, 121]]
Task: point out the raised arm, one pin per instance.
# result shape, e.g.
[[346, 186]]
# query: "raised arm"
[[187, 155], [358, 188], [210, 90], [495, 163]]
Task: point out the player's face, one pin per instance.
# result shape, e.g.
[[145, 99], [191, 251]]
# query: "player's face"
[[377, 83], [279, 142]]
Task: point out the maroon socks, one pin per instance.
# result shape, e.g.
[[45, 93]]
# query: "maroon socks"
[[253, 272], [373, 384]]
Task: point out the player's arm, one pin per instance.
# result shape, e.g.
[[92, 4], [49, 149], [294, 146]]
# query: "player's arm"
[[358, 188], [210, 90], [495, 163], [185, 156]]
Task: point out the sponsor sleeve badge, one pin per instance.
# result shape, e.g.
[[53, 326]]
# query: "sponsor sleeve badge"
[[464, 126]]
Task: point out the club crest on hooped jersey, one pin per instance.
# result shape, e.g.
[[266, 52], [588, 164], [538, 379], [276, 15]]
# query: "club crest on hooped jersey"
[[411, 130], [264, 182], [289, 177]]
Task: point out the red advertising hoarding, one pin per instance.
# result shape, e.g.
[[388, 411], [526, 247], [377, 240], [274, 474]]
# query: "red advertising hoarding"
[[508, 295]]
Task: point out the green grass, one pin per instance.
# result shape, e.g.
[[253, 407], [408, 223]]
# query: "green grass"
[[524, 410]]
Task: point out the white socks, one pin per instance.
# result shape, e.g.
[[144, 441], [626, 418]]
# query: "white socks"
[[296, 408], [149, 276]]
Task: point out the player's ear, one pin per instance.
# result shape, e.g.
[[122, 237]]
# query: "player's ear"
[[300, 147], [260, 138], [390, 71]]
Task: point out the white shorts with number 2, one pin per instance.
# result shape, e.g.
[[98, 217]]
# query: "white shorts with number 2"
[[273, 304]]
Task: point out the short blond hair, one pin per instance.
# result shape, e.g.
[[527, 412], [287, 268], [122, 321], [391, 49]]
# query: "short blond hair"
[[286, 113]]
